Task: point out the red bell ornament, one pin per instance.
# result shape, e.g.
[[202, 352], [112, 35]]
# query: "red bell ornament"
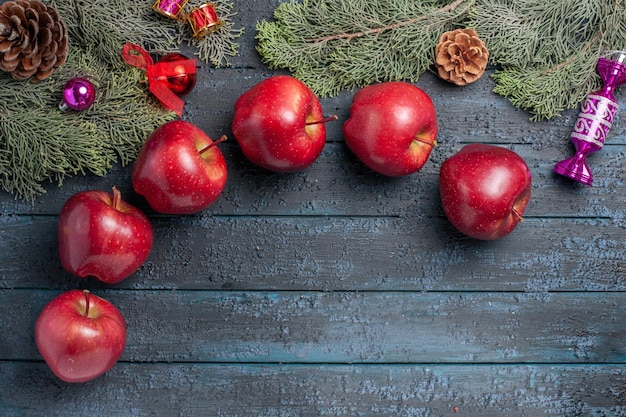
[[204, 20], [180, 81]]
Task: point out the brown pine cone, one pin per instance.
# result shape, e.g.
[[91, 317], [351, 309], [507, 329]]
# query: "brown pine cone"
[[33, 39], [461, 56]]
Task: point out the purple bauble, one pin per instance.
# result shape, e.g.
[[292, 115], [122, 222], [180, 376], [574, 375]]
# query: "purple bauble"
[[78, 94]]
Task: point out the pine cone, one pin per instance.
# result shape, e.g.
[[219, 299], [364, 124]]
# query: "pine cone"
[[461, 56], [33, 39]]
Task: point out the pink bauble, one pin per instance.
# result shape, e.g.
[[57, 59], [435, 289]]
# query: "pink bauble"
[[78, 94]]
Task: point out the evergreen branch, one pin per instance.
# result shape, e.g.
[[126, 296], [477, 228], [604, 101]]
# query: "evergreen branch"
[[335, 45], [547, 51], [572, 59], [544, 52], [39, 143], [375, 31], [102, 26]]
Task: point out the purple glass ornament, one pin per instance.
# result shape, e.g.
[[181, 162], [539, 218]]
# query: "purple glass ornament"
[[595, 118], [78, 94]]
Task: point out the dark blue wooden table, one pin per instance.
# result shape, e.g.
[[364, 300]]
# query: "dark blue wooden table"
[[338, 292]]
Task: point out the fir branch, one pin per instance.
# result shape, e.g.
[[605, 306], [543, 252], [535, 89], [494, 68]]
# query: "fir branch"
[[102, 26], [334, 45], [544, 51], [378, 30], [547, 51], [40, 143], [217, 47]]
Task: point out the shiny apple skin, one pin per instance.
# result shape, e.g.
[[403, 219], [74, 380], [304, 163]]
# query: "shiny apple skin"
[[270, 124], [392, 127], [485, 190], [79, 343], [172, 173], [101, 237]]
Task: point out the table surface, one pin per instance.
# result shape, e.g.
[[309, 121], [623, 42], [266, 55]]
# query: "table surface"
[[338, 292]]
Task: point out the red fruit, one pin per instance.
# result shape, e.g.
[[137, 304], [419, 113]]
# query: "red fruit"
[[392, 127], [484, 190], [179, 170], [103, 236], [279, 124], [80, 335]]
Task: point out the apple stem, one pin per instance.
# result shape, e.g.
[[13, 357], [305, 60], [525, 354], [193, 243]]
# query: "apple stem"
[[516, 214], [432, 143], [220, 140], [86, 293], [117, 197], [324, 120]]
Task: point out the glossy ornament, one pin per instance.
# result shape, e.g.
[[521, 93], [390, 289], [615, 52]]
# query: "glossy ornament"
[[180, 81], [158, 73], [204, 20], [169, 8], [595, 118], [78, 94]]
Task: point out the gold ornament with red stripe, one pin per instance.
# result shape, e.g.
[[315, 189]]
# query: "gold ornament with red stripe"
[[204, 20], [170, 8]]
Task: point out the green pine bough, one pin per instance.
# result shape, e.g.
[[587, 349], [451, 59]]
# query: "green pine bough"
[[39, 143], [543, 52]]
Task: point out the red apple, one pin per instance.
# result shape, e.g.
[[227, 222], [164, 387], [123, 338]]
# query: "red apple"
[[179, 169], [80, 335], [484, 190], [279, 124], [103, 236], [392, 127]]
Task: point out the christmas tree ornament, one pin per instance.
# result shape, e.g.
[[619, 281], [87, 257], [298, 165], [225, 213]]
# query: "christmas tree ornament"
[[78, 94], [461, 56], [169, 8], [157, 74], [595, 118], [204, 20], [33, 40], [182, 81], [222, 44]]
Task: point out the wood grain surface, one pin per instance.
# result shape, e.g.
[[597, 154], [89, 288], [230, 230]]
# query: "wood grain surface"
[[338, 292]]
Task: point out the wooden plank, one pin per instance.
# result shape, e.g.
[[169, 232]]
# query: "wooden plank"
[[469, 114], [320, 390], [339, 253], [348, 327], [339, 185]]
